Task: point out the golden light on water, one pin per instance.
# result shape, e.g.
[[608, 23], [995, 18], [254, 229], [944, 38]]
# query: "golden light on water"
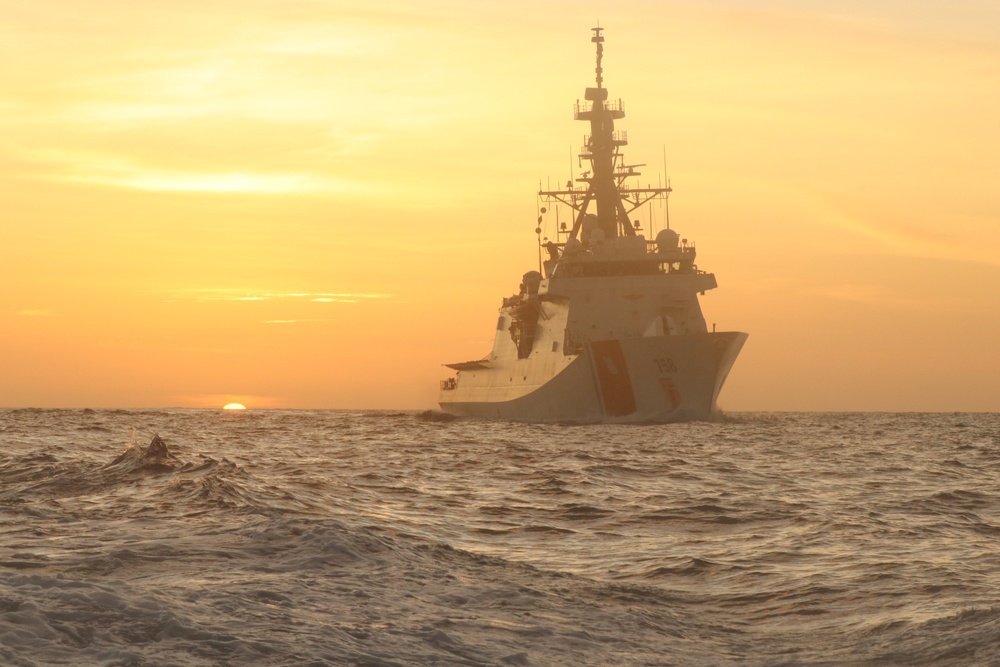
[[234, 406]]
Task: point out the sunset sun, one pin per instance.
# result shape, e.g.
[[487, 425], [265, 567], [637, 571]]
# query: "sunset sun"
[[234, 406]]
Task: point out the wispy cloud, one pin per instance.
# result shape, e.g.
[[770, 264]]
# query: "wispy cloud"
[[38, 313], [233, 182], [915, 237], [298, 321], [97, 168], [242, 295], [877, 296]]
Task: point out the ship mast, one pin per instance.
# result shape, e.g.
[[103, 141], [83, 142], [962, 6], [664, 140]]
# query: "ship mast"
[[604, 183]]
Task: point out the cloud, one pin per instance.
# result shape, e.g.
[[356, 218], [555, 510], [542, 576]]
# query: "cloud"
[[243, 295], [38, 313], [298, 321], [108, 169], [879, 296]]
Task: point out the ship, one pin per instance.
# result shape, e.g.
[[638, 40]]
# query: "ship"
[[609, 329]]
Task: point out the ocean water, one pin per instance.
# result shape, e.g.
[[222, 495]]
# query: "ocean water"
[[196, 537]]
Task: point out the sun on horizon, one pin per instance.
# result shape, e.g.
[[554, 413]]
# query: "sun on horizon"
[[234, 406]]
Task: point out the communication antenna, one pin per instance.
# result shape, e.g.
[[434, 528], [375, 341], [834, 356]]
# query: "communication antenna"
[[666, 200], [599, 40]]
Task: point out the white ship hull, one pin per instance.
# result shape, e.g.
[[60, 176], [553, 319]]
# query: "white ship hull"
[[634, 380]]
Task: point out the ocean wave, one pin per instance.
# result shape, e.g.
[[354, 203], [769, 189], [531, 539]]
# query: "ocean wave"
[[311, 537]]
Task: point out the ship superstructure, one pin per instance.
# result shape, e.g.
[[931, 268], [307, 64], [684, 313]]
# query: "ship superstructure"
[[610, 328]]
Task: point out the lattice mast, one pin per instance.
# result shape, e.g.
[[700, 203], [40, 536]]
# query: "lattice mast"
[[604, 183]]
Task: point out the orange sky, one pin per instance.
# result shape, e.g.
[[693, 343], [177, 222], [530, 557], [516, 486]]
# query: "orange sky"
[[316, 203]]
